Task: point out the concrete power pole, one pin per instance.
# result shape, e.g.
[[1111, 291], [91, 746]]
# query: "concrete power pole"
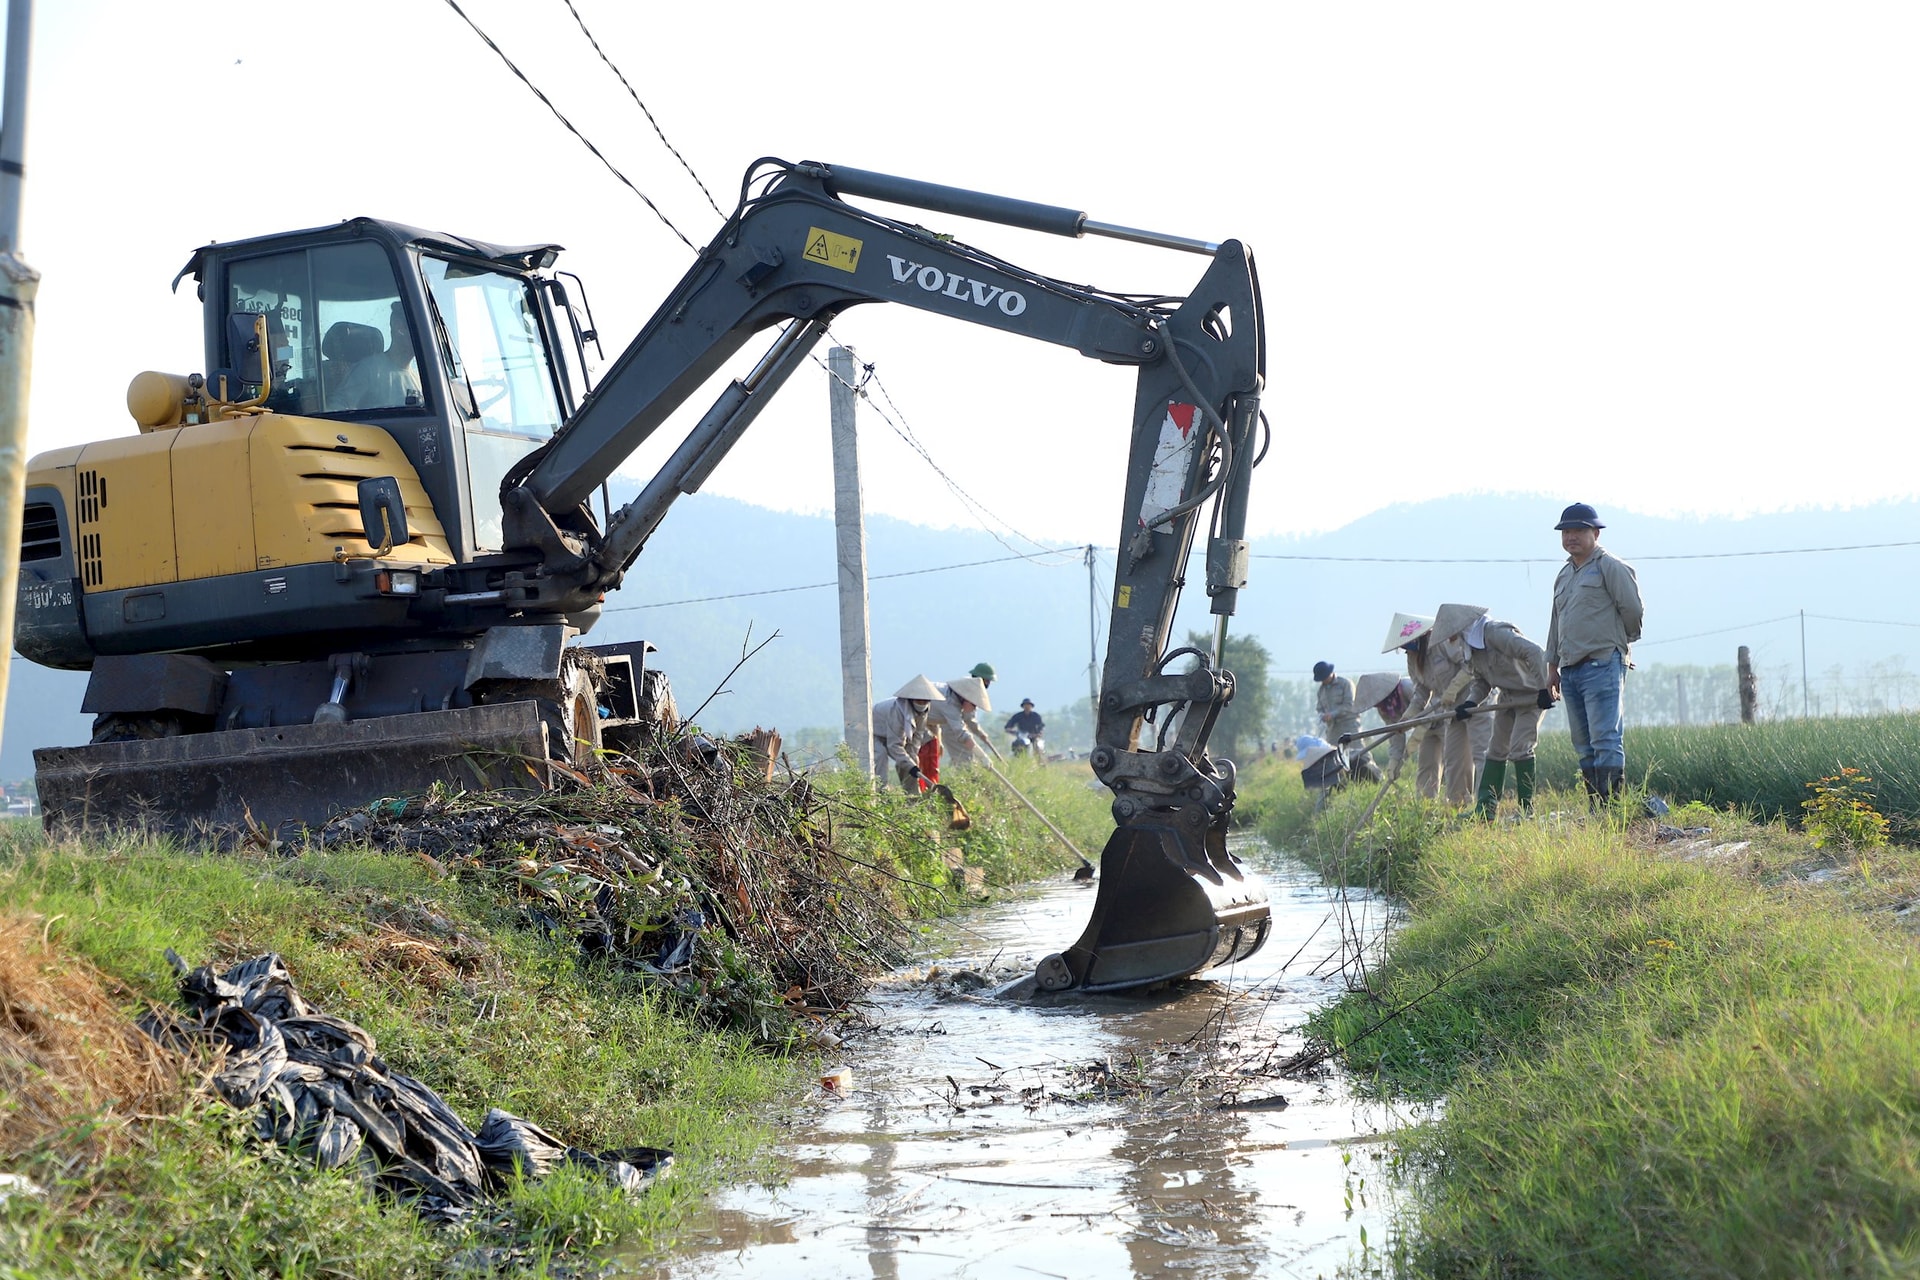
[[18, 285], [850, 543]]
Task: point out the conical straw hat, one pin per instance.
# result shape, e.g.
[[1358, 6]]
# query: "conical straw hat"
[[1452, 619], [974, 691], [920, 689], [1375, 685], [1406, 628]]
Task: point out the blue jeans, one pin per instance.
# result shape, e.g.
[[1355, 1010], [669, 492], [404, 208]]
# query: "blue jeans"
[[1591, 692]]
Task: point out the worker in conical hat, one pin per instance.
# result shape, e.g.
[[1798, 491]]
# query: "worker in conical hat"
[[1436, 665], [1510, 670], [1389, 696], [956, 728], [900, 728]]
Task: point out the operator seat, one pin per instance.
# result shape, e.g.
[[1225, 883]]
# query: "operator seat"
[[346, 344]]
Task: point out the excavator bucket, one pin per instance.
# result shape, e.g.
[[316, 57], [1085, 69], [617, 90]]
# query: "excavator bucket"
[[277, 780], [1172, 902]]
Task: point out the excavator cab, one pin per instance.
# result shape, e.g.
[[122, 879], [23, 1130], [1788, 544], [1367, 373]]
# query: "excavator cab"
[[456, 347]]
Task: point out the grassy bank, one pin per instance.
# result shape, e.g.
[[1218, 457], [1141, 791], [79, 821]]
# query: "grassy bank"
[[1765, 767], [467, 968], [1694, 1058]]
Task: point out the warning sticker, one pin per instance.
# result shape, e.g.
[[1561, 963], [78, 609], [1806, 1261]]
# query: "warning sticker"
[[829, 250]]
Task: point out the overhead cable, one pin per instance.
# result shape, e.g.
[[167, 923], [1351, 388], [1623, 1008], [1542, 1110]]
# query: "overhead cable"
[[643, 108], [820, 586], [454, 5], [1720, 631], [1637, 559]]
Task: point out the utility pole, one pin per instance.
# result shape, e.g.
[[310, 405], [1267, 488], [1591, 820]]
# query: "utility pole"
[[850, 550], [18, 285], [1093, 641], [1680, 695]]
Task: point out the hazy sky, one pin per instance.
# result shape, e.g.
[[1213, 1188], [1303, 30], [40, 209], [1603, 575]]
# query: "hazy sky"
[[1654, 256]]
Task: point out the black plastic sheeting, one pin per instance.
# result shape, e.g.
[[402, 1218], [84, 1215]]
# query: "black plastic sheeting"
[[320, 1087]]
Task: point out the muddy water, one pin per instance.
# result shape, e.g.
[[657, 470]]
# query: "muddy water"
[[984, 1139]]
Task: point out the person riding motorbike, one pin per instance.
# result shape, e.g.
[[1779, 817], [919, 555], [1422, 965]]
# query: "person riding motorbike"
[[1026, 726]]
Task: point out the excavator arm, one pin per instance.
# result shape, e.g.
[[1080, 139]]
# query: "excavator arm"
[[1173, 901]]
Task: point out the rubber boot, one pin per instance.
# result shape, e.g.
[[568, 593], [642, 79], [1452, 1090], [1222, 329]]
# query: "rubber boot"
[[1590, 776], [1493, 779], [1523, 783], [1612, 782]]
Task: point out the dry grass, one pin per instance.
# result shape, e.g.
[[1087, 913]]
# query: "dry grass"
[[70, 1057]]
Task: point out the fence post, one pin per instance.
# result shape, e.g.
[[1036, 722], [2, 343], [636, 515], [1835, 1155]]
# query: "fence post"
[[1749, 687]]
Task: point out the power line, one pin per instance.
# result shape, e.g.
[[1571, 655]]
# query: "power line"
[[453, 4], [872, 577], [643, 108], [978, 510], [1869, 622], [1694, 555], [1719, 631]]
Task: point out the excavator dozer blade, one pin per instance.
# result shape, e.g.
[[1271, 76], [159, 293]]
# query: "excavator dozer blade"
[[1171, 903], [282, 778]]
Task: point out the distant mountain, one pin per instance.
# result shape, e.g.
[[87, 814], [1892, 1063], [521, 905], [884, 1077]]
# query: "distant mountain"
[[1029, 617]]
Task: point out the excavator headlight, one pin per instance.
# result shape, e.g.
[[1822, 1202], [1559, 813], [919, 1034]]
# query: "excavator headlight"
[[397, 582]]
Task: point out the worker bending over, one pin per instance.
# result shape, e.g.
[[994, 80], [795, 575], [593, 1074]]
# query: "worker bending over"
[[1511, 669], [953, 718], [899, 729]]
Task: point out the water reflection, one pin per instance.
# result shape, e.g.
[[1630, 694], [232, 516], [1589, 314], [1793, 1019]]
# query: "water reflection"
[[983, 1139]]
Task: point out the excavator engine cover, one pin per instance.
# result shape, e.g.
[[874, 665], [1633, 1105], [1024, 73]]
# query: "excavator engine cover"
[[1172, 902]]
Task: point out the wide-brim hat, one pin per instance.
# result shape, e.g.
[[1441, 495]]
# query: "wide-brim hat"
[[1026, 702], [1406, 628], [1371, 688], [1311, 749], [1451, 619], [920, 689], [973, 690], [1580, 516]]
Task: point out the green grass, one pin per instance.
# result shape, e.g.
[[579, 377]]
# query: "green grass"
[[503, 1017], [1765, 767], [462, 990], [1652, 1066]]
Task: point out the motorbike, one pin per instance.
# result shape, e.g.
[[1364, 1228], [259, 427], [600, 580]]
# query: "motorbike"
[[1024, 742]]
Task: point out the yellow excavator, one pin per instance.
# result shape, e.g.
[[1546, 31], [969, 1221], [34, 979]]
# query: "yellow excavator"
[[357, 555]]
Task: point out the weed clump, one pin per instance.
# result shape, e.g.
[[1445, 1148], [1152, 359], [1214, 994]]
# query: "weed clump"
[[1840, 812]]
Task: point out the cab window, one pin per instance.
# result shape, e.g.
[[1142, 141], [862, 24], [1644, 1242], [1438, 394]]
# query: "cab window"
[[500, 358], [349, 345]]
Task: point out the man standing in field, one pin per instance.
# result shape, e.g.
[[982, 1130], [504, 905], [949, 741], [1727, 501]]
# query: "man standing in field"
[[1596, 619]]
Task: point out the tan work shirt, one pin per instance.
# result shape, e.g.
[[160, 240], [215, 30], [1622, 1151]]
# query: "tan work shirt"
[[1508, 661], [1337, 712], [1596, 609]]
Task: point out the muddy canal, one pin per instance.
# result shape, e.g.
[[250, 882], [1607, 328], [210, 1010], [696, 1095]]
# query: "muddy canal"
[[984, 1139]]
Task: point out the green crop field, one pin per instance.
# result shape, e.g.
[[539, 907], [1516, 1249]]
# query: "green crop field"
[[1766, 767]]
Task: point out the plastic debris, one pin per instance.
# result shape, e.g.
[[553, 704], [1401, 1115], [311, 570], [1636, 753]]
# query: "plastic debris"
[[319, 1085]]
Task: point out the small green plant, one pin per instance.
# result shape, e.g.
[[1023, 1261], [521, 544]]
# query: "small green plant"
[[1840, 812]]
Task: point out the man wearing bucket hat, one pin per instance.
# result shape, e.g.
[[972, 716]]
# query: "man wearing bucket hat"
[[1513, 670], [1437, 665], [1339, 718], [1389, 695], [1596, 618], [1025, 723], [955, 723], [899, 729]]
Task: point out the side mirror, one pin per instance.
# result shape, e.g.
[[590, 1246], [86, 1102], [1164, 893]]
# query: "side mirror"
[[383, 513], [249, 353]]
